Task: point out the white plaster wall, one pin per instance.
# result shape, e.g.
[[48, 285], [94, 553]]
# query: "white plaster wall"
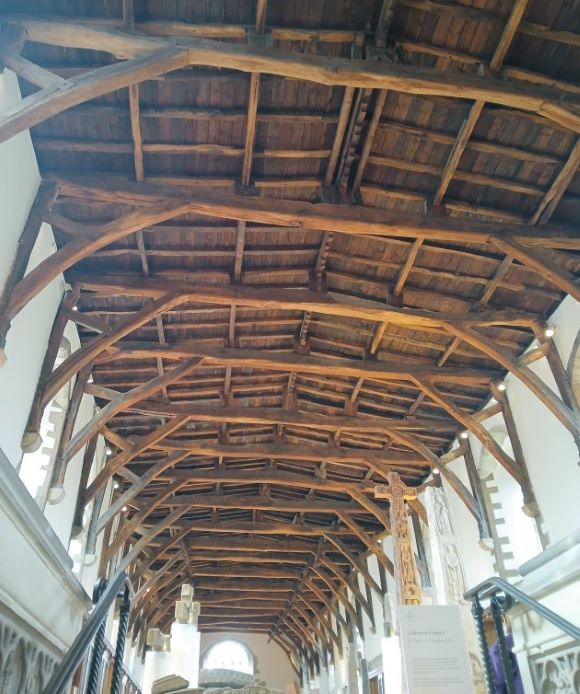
[[49, 598], [19, 177], [550, 451], [273, 665], [19, 181], [478, 563], [35, 578]]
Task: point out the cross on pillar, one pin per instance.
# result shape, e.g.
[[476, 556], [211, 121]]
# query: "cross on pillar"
[[409, 589]]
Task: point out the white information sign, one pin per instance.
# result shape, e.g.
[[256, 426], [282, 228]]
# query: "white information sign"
[[434, 650]]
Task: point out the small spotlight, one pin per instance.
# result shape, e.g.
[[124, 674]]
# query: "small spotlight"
[[501, 386], [549, 331], [75, 308], [463, 435], [147, 590], [115, 485], [436, 471], [90, 379], [124, 509], [108, 451]]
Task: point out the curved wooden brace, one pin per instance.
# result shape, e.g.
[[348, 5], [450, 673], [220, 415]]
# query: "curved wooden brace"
[[288, 651], [249, 58], [324, 639], [129, 398], [325, 601], [137, 447], [92, 349], [326, 623], [540, 263], [370, 544], [470, 423], [77, 249], [371, 507], [125, 531], [149, 584], [540, 389], [170, 542], [137, 487], [437, 463], [301, 629], [343, 599], [350, 582], [356, 563]]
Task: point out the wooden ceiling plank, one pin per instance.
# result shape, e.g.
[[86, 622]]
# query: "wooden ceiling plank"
[[548, 204], [470, 122], [476, 15]]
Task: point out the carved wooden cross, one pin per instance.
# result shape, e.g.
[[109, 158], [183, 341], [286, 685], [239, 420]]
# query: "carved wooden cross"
[[405, 568]]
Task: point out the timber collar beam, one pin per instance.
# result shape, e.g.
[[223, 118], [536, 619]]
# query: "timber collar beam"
[[338, 218], [279, 361], [327, 303], [337, 72]]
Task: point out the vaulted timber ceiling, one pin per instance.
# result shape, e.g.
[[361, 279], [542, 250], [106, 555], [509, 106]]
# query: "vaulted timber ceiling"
[[305, 240]]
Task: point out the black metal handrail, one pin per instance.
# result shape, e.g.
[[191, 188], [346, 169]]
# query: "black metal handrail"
[[80, 645], [494, 585]]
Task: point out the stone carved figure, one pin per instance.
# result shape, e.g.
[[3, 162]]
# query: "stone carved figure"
[[453, 573], [442, 515], [186, 610], [158, 641]]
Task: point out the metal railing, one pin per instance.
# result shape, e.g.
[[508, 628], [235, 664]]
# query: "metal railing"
[[80, 646], [503, 596]]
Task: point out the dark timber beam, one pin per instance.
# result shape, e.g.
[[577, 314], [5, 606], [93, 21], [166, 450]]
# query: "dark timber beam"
[[339, 218], [165, 55]]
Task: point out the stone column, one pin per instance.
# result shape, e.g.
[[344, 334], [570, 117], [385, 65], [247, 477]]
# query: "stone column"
[[448, 575], [185, 638], [352, 668]]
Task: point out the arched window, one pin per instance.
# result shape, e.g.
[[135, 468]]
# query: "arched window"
[[229, 655], [36, 467]]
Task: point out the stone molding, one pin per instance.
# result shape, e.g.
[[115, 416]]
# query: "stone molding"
[[26, 659], [24, 513], [558, 670]]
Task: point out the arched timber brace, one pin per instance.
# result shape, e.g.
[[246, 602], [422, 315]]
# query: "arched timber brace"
[[266, 349], [147, 56]]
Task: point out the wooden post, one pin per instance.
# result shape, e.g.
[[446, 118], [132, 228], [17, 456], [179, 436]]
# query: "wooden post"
[[483, 523], [44, 198], [409, 588], [31, 439], [77, 526]]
